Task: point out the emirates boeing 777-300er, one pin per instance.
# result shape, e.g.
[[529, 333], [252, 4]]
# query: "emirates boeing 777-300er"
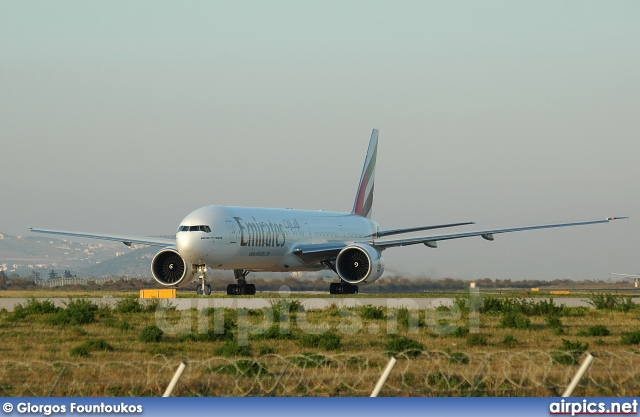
[[249, 239]]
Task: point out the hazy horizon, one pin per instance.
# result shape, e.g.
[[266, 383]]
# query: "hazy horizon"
[[124, 117]]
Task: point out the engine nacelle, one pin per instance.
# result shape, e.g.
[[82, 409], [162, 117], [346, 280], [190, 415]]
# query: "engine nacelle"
[[170, 270], [359, 264]]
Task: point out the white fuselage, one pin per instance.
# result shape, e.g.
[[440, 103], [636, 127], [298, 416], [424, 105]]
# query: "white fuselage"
[[262, 239]]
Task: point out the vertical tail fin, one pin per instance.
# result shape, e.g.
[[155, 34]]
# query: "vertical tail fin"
[[364, 197]]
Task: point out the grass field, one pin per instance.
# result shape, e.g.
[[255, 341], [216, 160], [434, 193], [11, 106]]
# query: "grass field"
[[519, 348]]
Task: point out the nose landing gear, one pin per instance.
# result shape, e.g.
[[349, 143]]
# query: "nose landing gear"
[[241, 288], [203, 287]]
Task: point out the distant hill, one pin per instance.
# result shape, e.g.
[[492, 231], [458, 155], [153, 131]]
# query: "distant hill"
[[22, 255], [136, 263]]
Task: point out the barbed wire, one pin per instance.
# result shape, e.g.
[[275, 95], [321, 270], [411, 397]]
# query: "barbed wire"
[[426, 373]]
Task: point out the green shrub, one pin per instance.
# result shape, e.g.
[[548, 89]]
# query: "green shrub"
[[595, 331], [326, 341], [119, 325], [458, 358], [515, 321], [81, 350], [244, 368], [510, 341], [266, 350], [232, 348], [128, 305], [403, 346], [630, 338], [151, 334], [98, 344], [77, 312], [570, 352], [370, 312], [33, 308], [406, 317], [89, 346], [460, 332], [274, 332], [310, 360], [611, 302], [285, 307], [477, 339], [553, 321]]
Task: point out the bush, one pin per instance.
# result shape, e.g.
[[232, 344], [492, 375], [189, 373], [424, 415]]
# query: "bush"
[[128, 305], [310, 360], [553, 321], [596, 331], [284, 307], [274, 333], [370, 312], [460, 332], [244, 367], [570, 352], [403, 346], [630, 338], [33, 307], [232, 349], [611, 302], [510, 341], [120, 325], [81, 350], [516, 321], [458, 358], [151, 334], [91, 345], [77, 312], [477, 340], [326, 341]]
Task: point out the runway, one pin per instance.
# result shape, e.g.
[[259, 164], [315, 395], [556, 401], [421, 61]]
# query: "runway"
[[307, 303]]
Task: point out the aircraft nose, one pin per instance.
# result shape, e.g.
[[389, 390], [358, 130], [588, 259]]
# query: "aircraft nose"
[[188, 244]]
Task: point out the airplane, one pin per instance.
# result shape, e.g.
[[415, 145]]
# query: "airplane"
[[249, 239]]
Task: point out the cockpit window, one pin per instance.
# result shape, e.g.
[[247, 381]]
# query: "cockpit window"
[[199, 228]]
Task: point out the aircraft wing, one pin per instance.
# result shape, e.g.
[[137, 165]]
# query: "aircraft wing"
[[383, 233], [486, 234], [315, 253], [625, 275], [127, 240]]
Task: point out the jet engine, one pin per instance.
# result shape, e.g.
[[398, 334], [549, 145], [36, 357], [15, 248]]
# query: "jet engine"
[[359, 264], [170, 270]]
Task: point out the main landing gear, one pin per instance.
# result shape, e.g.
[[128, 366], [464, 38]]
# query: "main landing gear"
[[241, 288], [342, 288], [203, 287], [339, 287]]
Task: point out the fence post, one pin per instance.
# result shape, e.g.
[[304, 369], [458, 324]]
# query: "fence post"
[[174, 380], [576, 378], [384, 376]]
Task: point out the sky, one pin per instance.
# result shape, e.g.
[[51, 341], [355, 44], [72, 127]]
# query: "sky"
[[123, 117]]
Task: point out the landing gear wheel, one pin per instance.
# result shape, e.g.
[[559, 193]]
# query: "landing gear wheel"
[[249, 289], [342, 288], [232, 289], [199, 289], [241, 288], [207, 289]]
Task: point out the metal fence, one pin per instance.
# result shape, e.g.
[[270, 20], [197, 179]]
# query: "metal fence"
[[430, 373]]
